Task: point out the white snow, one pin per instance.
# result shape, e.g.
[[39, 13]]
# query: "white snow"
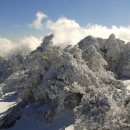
[[127, 83], [7, 102], [30, 122], [71, 127]]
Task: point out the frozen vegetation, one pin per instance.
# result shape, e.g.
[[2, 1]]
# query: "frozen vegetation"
[[81, 87]]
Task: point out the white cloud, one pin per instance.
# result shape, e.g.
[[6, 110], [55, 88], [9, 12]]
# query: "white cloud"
[[122, 32], [68, 31], [6, 46], [37, 23], [27, 44], [30, 43], [65, 31]]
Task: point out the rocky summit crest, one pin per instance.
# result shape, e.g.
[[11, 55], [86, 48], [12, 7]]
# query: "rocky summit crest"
[[85, 79]]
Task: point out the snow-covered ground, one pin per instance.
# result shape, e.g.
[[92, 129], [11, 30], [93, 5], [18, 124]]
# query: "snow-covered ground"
[[29, 120], [62, 122], [7, 102], [127, 82], [71, 127]]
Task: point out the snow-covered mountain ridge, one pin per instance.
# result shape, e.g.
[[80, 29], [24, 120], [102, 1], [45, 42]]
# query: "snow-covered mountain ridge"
[[84, 81]]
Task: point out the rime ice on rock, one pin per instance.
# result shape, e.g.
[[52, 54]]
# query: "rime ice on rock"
[[124, 62], [77, 77]]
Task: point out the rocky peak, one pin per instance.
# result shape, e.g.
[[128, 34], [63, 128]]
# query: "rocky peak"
[[89, 40], [72, 78], [46, 43], [94, 60], [124, 64], [112, 36], [47, 40]]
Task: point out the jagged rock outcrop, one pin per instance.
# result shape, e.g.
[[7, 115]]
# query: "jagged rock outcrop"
[[86, 42], [94, 59], [113, 52], [110, 49], [77, 77], [5, 69], [124, 63]]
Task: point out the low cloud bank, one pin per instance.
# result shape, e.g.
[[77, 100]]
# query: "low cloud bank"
[[27, 44], [6, 46], [66, 31]]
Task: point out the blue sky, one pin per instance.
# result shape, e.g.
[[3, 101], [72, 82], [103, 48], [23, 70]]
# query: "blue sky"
[[24, 21], [21, 12], [107, 12]]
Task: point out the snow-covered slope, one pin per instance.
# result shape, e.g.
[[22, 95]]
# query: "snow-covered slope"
[[7, 101], [75, 88]]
